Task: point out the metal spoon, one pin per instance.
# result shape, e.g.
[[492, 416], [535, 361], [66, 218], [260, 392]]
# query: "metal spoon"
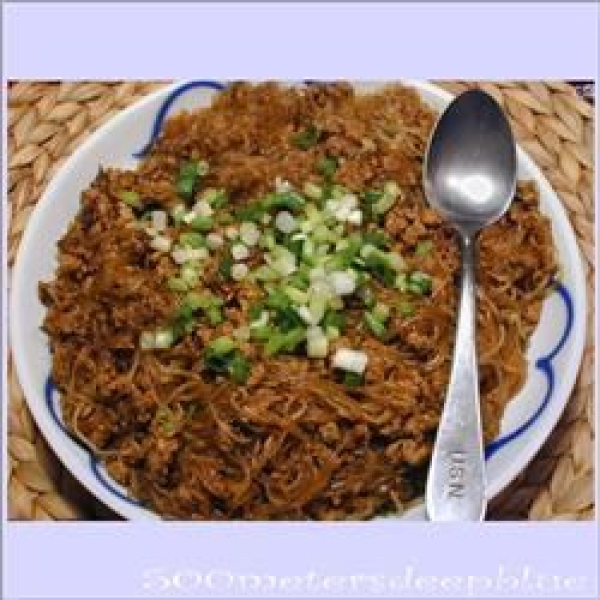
[[469, 176]]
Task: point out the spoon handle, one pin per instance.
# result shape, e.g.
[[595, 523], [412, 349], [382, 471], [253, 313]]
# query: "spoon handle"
[[456, 481]]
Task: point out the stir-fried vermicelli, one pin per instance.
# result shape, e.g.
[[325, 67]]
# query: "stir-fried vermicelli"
[[257, 322]]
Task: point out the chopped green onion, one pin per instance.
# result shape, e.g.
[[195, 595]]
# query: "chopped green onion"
[[203, 300], [299, 280], [335, 319], [388, 199], [165, 420], [192, 239], [178, 213], [225, 267], [306, 139], [190, 273], [327, 166], [332, 333], [313, 191], [419, 283], [225, 218], [257, 311], [381, 312], [377, 262], [376, 238], [265, 273], [216, 198], [220, 346], [267, 240], [371, 196], [202, 223], [352, 380], [251, 212], [375, 325], [401, 282], [210, 304], [188, 176], [176, 284], [239, 368], [289, 200], [278, 300], [295, 295], [222, 356], [261, 332], [423, 248], [130, 198], [366, 294], [285, 341], [406, 309]]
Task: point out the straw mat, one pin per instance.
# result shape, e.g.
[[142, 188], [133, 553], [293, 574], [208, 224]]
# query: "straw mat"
[[49, 120]]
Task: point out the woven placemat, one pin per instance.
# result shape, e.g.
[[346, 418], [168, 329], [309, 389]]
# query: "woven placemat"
[[47, 121]]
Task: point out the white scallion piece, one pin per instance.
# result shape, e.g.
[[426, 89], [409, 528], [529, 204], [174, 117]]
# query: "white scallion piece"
[[203, 209], [189, 217], [239, 252], [316, 273], [355, 217], [367, 250], [295, 295], [180, 255], [239, 271], [317, 307], [321, 287], [313, 191], [281, 185], [332, 206], [178, 212], [159, 220], [161, 243], [314, 331], [317, 346], [322, 250], [396, 262], [285, 222], [214, 241], [197, 253], [147, 340], [308, 248], [203, 168], [342, 282], [282, 260], [164, 338], [249, 233], [354, 361], [305, 315]]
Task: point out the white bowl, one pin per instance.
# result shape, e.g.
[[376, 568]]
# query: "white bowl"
[[554, 353]]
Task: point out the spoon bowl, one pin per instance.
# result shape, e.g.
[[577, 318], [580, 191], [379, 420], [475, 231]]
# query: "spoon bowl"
[[470, 177], [470, 171]]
